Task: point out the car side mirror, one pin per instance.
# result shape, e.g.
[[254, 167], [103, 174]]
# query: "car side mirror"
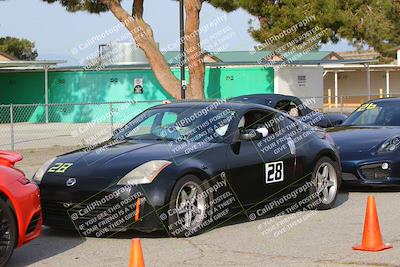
[[334, 123], [338, 123], [250, 135]]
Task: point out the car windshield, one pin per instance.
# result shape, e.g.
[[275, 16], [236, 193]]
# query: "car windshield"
[[178, 124], [375, 114]]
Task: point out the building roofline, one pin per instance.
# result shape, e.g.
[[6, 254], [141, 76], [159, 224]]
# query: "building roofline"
[[372, 67], [28, 65], [10, 57], [31, 64]]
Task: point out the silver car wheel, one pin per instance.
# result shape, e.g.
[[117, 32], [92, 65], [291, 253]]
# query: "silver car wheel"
[[326, 183], [190, 206]]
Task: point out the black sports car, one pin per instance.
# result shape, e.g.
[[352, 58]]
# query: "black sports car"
[[369, 143], [181, 167], [295, 107]]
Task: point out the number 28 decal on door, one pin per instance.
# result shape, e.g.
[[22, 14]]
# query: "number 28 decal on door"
[[274, 172]]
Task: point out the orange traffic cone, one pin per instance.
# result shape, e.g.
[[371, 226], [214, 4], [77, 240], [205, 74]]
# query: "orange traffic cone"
[[136, 258], [372, 238]]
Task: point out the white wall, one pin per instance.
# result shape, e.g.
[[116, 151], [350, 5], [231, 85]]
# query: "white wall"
[[354, 83], [287, 83], [398, 56]]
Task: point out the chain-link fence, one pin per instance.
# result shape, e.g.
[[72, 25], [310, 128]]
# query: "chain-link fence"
[[34, 126], [344, 104], [40, 126]]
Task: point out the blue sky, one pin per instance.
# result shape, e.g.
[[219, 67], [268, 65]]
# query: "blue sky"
[[57, 32]]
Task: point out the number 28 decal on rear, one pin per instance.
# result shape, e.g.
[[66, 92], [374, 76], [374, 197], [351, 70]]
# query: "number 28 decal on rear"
[[274, 172], [60, 168]]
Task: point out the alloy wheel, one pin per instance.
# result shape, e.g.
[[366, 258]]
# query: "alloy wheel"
[[190, 206], [327, 183]]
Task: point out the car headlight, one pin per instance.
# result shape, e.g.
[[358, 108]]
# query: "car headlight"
[[38, 176], [145, 173], [390, 145]]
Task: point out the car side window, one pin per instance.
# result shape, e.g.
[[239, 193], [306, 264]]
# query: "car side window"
[[143, 128], [290, 107], [169, 118], [303, 108], [261, 121]]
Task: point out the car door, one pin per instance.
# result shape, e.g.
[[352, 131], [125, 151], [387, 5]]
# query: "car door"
[[259, 169]]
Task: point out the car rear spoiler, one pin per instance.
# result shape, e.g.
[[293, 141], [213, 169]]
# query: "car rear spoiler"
[[9, 159]]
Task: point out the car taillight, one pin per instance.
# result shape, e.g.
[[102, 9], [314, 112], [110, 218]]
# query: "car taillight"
[[23, 180]]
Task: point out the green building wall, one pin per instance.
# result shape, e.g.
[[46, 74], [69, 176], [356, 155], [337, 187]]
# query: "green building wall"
[[77, 86], [21, 87]]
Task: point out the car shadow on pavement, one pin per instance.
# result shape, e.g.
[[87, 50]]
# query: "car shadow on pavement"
[[342, 197], [237, 217], [53, 242], [371, 189], [129, 234], [240, 217], [50, 243]]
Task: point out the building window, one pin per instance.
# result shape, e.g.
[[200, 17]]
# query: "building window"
[[301, 80]]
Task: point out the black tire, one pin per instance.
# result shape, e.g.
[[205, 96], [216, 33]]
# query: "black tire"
[[176, 227], [8, 232], [319, 201]]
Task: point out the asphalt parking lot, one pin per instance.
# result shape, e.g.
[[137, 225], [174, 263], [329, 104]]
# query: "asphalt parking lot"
[[34, 136], [325, 239], [322, 238]]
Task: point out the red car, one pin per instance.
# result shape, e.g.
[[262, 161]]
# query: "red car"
[[20, 211]]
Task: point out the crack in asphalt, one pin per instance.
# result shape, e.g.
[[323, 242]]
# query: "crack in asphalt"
[[193, 244], [261, 256], [357, 263]]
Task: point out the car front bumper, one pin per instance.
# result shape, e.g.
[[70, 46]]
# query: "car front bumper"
[[382, 171], [102, 213]]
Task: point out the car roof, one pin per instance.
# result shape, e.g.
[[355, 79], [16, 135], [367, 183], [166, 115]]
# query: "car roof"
[[264, 99], [275, 97], [389, 99], [221, 104]]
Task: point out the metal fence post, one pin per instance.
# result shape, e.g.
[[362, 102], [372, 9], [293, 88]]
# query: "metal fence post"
[[46, 108], [12, 127], [341, 104], [111, 119]]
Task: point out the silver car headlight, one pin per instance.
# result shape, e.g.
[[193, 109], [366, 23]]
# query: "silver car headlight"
[[390, 145], [145, 173], [38, 176]]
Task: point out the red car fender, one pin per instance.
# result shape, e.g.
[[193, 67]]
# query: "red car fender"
[[9, 175], [23, 196]]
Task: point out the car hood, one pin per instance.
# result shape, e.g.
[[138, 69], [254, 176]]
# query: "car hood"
[[116, 159], [361, 139]]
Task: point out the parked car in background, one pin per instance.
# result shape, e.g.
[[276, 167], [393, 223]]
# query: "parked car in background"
[[20, 212], [369, 142], [294, 107]]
